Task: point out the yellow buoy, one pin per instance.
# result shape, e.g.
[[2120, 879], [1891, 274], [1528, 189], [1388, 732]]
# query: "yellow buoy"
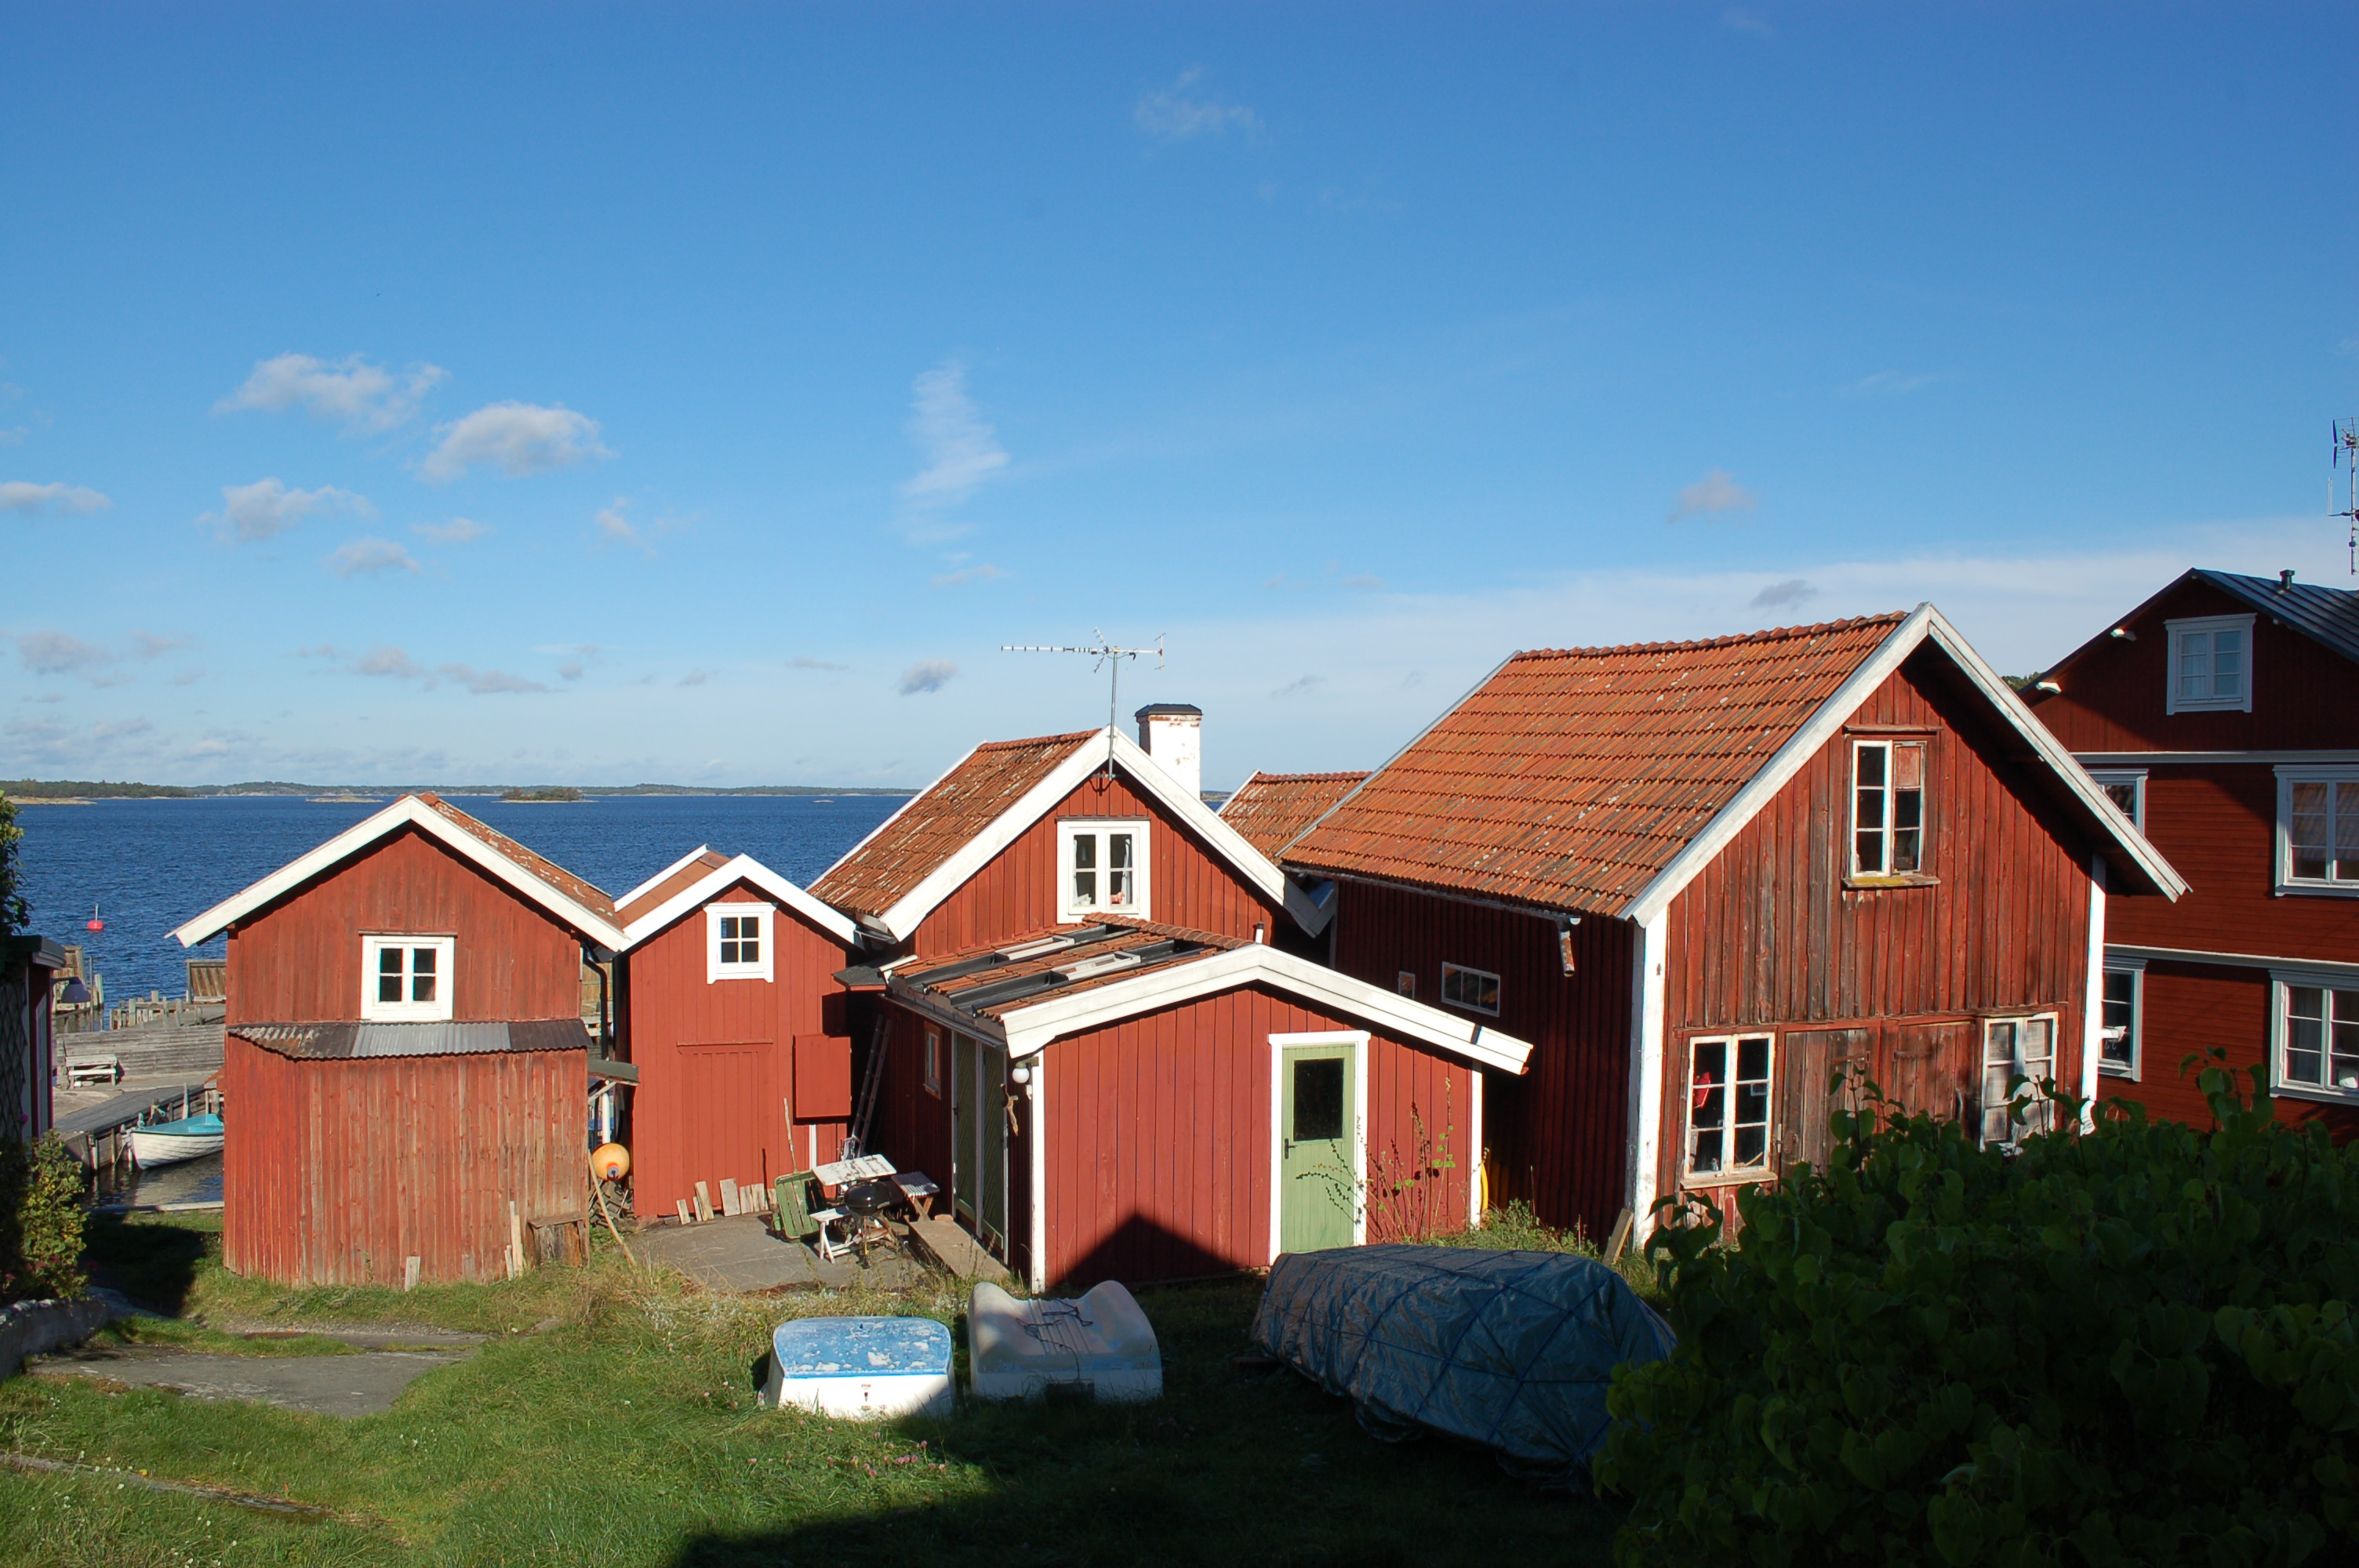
[[610, 1162]]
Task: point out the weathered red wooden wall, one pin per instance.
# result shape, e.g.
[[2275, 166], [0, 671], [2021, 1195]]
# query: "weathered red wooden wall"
[[912, 1124], [335, 1173], [299, 959], [1557, 1134], [1188, 884], [716, 1059]]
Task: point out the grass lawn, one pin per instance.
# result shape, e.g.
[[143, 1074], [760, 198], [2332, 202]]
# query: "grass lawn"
[[613, 1422]]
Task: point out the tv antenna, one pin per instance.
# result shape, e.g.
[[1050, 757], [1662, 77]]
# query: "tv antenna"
[[1109, 656], [2346, 458]]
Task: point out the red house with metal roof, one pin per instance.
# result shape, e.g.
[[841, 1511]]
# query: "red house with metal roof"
[[1698, 876], [2223, 716]]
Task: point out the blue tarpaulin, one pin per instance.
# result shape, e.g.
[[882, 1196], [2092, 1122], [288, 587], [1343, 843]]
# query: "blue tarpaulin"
[[1510, 1350]]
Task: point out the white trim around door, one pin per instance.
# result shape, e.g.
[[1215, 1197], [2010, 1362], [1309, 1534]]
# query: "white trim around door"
[[1357, 1039]]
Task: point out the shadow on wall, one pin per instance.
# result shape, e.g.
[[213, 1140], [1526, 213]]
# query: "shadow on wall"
[[1139, 1249]]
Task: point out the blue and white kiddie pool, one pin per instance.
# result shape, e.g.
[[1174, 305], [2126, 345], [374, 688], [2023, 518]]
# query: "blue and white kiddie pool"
[[865, 1367]]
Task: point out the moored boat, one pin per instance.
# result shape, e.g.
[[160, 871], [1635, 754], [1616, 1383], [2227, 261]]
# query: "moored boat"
[[170, 1142]]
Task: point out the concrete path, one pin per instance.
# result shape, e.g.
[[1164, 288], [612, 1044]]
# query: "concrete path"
[[365, 1384], [740, 1254]]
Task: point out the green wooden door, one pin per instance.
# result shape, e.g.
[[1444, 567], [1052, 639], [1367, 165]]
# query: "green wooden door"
[[991, 1112], [1317, 1190]]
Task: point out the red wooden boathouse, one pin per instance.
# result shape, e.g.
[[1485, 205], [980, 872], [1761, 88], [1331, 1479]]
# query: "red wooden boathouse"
[[1698, 875], [2223, 716]]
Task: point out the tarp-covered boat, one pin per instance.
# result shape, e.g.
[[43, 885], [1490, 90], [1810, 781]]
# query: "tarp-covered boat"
[[1510, 1350]]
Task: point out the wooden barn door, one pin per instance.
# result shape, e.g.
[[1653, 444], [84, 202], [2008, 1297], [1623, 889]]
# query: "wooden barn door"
[[725, 1117], [1805, 1131], [1936, 1069]]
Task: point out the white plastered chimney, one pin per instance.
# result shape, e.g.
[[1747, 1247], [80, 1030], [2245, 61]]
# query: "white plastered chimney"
[[1173, 734]]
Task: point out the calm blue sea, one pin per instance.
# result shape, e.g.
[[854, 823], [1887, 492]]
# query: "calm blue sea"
[[146, 866]]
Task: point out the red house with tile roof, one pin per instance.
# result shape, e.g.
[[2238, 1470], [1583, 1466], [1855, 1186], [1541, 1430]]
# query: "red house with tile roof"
[[2222, 715], [1698, 876], [1269, 810]]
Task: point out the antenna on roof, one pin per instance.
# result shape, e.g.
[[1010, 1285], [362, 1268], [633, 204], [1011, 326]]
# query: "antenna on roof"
[[1108, 656], [2346, 458]]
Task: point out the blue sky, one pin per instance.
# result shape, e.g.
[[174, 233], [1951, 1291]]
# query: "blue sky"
[[611, 393]]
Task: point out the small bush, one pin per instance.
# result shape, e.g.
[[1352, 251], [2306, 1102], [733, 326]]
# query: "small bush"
[[40, 1221], [2132, 1346]]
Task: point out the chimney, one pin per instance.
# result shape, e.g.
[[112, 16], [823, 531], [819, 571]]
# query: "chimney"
[[2285, 579], [1173, 734]]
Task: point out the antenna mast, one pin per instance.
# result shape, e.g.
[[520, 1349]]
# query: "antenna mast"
[[2346, 458], [1109, 656]]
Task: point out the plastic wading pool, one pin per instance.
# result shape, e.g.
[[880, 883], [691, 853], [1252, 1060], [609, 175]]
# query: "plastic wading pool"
[[865, 1367], [1101, 1345]]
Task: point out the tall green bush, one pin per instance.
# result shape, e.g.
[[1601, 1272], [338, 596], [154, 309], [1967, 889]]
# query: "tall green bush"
[[2129, 1345], [40, 1221], [14, 912]]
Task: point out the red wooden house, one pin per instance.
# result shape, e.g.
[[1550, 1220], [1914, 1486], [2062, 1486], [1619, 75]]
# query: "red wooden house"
[[2222, 715], [730, 1011], [1129, 1099], [405, 1057], [1698, 875]]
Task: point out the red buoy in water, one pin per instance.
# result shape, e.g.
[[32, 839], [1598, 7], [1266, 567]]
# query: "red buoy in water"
[[95, 924]]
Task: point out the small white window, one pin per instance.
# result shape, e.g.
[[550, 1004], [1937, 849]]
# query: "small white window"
[[2016, 1048], [1474, 988], [2210, 664], [2125, 788], [2318, 830], [737, 942], [2317, 1033], [1103, 869], [934, 1063], [1405, 982], [2124, 1012], [1887, 816], [1728, 1105], [405, 980]]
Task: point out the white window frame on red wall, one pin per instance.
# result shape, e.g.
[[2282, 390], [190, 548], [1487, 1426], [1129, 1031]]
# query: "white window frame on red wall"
[[2133, 970], [1099, 830], [2207, 627], [1729, 1172], [1889, 794], [2282, 984], [445, 950], [1482, 979], [2288, 775], [715, 969], [2130, 779], [2042, 1111]]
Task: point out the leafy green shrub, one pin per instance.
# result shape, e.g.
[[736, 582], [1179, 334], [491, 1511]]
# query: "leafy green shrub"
[[2133, 1345], [40, 1221]]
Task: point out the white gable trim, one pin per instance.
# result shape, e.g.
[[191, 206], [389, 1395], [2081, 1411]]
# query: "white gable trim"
[[409, 811], [656, 880], [744, 868]]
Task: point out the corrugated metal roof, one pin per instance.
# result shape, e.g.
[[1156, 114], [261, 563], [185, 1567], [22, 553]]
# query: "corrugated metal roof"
[[1571, 777], [988, 982], [2330, 615], [583, 894], [1269, 811], [344, 1039], [685, 876], [932, 829]]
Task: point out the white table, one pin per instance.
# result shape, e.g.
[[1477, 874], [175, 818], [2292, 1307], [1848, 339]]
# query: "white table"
[[860, 1167]]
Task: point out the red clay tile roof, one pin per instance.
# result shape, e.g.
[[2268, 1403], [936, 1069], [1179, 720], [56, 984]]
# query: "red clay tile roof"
[[928, 831], [687, 876], [549, 871], [1105, 937], [1269, 809], [1573, 776]]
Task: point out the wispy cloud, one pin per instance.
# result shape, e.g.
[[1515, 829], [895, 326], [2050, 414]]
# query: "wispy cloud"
[[60, 654], [14, 436], [388, 662], [458, 531], [804, 663], [958, 450], [926, 675], [57, 500], [485, 682], [517, 438], [149, 645], [266, 507], [1180, 112], [1777, 595], [1716, 492], [365, 397], [1889, 383], [1738, 20], [569, 672], [982, 573], [614, 528], [695, 677], [1300, 687], [370, 557], [1366, 580], [384, 659]]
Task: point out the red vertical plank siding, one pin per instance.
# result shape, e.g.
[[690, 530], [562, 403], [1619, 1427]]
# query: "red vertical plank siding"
[[683, 1133], [1188, 884], [299, 959]]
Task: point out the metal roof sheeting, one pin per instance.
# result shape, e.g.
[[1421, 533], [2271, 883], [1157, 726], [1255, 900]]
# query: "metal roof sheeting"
[[2329, 615], [347, 1040]]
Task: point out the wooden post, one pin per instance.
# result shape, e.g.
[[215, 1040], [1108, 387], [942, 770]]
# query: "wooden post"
[[1619, 1239], [685, 1218], [515, 1241], [410, 1275], [704, 1204], [729, 1204]]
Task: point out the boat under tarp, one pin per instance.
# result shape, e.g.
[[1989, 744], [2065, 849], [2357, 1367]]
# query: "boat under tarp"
[[1510, 1350]]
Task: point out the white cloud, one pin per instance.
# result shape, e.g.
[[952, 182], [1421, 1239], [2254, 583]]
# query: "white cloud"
[[57, 500], [807, 663], [613, 528], [396, 663], [1176, 113], [363, 395], [1793, 590], [59, 653], [517, 438], [960, 451], [15, 436], [1716, 492], [267, 507], [926, 675], [384, 659], [371, 557], [458, 531], [483, 683], [569, 672], [982, 573], [149, 645]]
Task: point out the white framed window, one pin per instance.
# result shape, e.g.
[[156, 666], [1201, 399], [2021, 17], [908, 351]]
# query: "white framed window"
[[406, 979], [1405, 982], [2315, 1034], [2210, 664], [1887, 809], [1477, 990], [737, 942], [2016, 1048], [1102, 867], [2125, 1015], [934, 1063], [1728, 1105], [2318, 830], [2125, 788]]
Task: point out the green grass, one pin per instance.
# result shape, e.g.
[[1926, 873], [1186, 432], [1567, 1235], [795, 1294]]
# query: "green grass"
[[613, 1422]]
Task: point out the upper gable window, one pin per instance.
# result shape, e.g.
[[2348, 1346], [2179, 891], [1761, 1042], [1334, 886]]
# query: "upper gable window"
[[2125, 788], [405, 980], [1102, 869], [737, 942], [1887, 813], [2318, 829], [2210, 664], [1462, 986]]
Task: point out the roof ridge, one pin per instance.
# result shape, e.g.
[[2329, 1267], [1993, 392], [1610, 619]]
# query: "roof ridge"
[[523, 855], [1771, 633], [1307, 778], [1038, 741]]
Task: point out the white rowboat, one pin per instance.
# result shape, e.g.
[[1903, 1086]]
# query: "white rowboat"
[[170, 1142]]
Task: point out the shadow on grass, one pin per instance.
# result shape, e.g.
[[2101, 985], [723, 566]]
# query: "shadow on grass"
[[154, 1265]]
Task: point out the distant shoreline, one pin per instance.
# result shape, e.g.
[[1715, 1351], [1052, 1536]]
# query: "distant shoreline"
[[77, 792]]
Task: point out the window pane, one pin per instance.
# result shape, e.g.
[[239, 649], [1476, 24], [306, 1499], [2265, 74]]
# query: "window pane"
[[2124, 796], [1085, 876], [421, 974], [1487, 992], [1709, 1085], [1869, 846], [389, 979], [2343, 1039], [2194, 665], [2227, 664], [2346, 832], [1122, 888], [1871, 767], [388, 960], [2039, 1038], [2120, 1017], [2305, 1035], [749, 951], [1319, 1098]]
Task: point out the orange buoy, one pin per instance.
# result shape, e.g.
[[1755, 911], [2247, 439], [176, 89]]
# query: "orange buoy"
[[610, 1163]]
